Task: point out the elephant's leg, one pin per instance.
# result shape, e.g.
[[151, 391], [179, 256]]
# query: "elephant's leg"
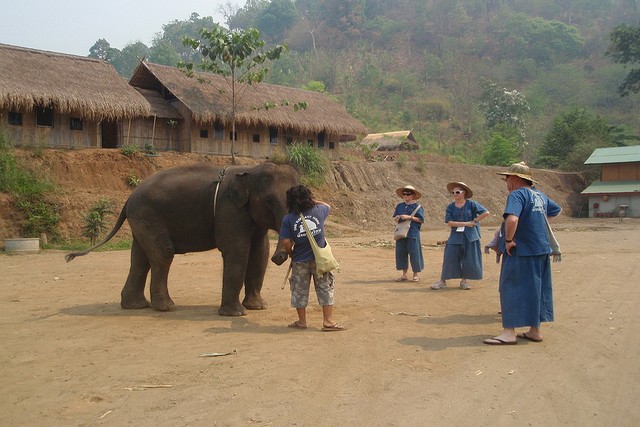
[[160, 250], [160, 299], [235, 265], [254, 276], [132, 295]]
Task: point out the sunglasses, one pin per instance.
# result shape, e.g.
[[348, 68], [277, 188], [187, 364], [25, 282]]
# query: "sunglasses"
[[457, 192], [407, 194]]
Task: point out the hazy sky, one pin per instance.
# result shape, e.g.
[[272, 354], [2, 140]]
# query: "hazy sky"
[[73, 26]]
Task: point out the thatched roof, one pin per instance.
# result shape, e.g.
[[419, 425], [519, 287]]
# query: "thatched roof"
[[208, 97], [159, 107], [397, 140], [70, 84]]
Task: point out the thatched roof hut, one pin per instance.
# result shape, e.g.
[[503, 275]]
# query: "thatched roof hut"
[[392, 141], [72, 85], [208, 97]]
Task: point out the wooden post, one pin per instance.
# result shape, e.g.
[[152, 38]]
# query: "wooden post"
[[153, 132]]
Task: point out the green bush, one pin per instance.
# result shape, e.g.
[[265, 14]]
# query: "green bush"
[[29, 192], [309, 161], [94, 223], [129, 150]]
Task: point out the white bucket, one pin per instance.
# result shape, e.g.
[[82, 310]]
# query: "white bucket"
[[27, 244]]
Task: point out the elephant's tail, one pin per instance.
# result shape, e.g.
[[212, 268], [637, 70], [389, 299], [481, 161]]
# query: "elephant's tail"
[[123, 215]]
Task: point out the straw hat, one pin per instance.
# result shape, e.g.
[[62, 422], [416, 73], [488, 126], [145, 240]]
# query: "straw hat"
[[468, 193], [416, 193], [519, 169]]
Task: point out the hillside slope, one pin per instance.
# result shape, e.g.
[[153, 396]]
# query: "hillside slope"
[[362, 193]]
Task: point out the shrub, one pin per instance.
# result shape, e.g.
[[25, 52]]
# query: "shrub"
[[94, 223], [309, 161]]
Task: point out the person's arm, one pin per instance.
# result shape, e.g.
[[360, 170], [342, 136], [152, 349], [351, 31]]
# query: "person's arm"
[[287, 244], [510, 227]]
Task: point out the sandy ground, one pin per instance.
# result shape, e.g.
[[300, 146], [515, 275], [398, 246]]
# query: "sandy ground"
[[411, 356]]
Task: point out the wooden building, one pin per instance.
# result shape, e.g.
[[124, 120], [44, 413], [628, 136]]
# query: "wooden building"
[[618, 191], [51, 99], [57, 100], [268, 117], [402, 140]]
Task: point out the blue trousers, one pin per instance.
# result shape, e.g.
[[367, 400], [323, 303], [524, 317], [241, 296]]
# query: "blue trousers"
[[526, 295], [409, 249]]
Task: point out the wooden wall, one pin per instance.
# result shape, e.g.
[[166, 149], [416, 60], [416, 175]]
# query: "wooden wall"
[[620, 172]]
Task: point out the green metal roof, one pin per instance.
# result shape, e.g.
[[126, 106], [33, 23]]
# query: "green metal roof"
[[602, 156], [612, 187]]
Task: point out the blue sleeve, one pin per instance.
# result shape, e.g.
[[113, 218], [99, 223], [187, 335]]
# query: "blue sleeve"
[[479, 209], [286, 229], [553, 209], [448, 214]]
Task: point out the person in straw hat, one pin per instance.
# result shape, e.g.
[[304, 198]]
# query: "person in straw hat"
[[526, 297], [409, 249], [463, 253]]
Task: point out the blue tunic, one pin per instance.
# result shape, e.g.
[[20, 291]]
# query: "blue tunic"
[[526, 294], [410, 249], [463, 254]]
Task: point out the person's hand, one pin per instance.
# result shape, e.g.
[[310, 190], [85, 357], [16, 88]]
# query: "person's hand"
[[510, 245]]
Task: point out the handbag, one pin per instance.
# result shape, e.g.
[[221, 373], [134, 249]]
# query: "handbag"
[[325, 261], [402, 227]]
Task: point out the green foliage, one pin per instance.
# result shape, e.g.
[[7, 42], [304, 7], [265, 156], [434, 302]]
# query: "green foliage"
[[239, 55], [129, 150], [94, 223], [308, 160], [503, 106], [315, 86], [572, 138], [29, 193], [499, 151], [132, 179], [625, 49]]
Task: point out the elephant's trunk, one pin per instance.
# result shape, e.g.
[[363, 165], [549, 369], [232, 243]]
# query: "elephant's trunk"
[[280, 255]]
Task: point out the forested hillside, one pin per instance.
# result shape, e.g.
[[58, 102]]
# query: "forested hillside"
[[481, 81]]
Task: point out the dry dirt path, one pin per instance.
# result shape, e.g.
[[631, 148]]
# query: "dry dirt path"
[[411, 356]]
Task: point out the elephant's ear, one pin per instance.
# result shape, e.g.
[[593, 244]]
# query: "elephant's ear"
[[239, 190]]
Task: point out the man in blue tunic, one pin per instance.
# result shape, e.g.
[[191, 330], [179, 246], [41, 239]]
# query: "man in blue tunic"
[[526, 296]]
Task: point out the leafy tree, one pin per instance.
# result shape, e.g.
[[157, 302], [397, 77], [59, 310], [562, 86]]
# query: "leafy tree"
[[276, 19], [499, 151], [503, 106], [130, 57], [238, 55], [103, 50], [167, 47], [570, 133], [625, 49], [519, 36]]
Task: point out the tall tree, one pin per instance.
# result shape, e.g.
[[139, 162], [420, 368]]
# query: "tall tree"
[[238, 55], [625, 49], [573, 136]]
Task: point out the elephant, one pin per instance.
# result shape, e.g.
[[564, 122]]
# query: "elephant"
[[197, 208]]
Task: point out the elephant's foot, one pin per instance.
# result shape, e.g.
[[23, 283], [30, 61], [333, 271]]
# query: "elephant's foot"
[[164, 304], [134, 303], [232, 310], [254, 302]]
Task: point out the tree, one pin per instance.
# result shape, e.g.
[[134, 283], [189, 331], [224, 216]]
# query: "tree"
[[103, 50], [237, 55], [570, 133], [499, 151], [167, 47], [625, 49], [503, 106]]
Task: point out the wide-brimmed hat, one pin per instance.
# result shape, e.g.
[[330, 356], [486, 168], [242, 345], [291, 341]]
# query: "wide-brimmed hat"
[[416, 193], [468, 193], [519, 169]]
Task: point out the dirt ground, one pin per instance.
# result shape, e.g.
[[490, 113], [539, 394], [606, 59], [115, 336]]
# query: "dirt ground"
[[411, 355]]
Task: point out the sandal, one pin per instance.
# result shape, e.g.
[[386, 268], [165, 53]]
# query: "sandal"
[[334, 327], [296, 325]]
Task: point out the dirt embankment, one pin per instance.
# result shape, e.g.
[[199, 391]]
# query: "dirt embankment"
[[362, 193]]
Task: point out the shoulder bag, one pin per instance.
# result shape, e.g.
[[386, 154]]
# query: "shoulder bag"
[[402, 227], [325, 260]]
